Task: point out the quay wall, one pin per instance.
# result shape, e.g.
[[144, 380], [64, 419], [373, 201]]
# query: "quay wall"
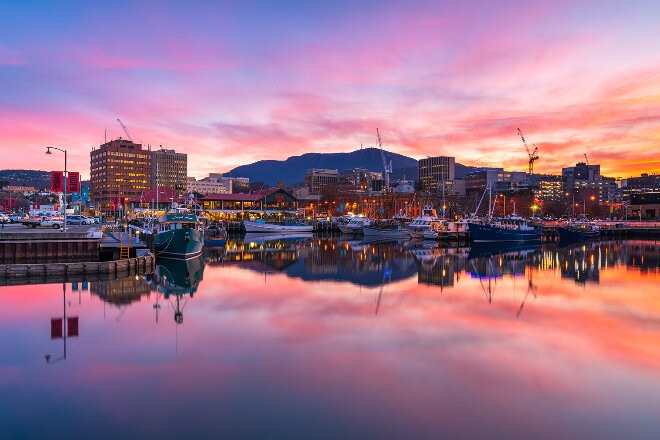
[[44, 273], [22, 247]]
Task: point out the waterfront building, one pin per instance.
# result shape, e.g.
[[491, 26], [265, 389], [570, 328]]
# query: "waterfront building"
[[316, 179], [586, 179], [119, 170], [645, 205], [169, 169], [497, 179], [636, 185], [155, 199], [551, 188], [436, 173], [272, 201]]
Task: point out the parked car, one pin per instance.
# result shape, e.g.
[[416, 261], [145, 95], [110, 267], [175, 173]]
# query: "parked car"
[[16, 218], [76, 220]]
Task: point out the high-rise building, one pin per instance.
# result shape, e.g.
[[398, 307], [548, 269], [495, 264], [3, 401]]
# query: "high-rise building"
[[169, 169], [316, 179], [436, 173], [119, 169]]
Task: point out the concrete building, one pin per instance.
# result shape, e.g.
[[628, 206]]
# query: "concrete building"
[[316, 179], [169, 169], [119, 170], [497, 179], [360, 178], [436, 173], [587, 179], [210, 185]]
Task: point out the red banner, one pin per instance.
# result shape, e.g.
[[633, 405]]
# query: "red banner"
[[56, 328], [72, 326], [73, 182], [56, 181]]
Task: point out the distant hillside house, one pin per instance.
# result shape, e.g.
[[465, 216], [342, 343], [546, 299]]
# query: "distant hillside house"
[[267, 201]]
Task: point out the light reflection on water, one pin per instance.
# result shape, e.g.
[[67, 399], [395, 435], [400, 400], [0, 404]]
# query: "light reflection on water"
[[327, 338]]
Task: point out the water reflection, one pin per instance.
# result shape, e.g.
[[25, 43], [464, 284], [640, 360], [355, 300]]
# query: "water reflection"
[[367, 340], [177, 280]]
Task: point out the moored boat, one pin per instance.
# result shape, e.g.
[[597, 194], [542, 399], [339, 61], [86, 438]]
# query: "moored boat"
[[427, 221], [578, 231], [178, 235], [280, 227], [354, 225], [507, 229], [386, 230]]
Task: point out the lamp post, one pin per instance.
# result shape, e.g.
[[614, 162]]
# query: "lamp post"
[[64, 183]]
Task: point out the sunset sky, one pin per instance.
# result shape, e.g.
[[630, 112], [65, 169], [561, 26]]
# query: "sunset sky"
[[233, 82]]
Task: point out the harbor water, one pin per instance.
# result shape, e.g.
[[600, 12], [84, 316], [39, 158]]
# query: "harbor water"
[[316, 338]]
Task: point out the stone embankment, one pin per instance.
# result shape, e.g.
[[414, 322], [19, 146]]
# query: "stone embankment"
[[42, 273]]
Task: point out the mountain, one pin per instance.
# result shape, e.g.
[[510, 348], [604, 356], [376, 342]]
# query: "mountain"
[[292, 170]]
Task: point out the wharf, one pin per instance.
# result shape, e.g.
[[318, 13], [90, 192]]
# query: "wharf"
[[18, 245]]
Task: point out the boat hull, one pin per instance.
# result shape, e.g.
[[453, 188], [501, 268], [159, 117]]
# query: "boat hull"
[[179, 243], [493, 234], [276, 228], [569, 234], [390, 234]]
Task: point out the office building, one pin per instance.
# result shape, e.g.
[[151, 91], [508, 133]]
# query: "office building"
[[119, 170]]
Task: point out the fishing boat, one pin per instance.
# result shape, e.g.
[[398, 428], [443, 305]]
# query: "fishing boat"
[[178, 235], [354, 225], [215, 235], [428, 220], [507, 229], [280, 227], [385, 230], [578, 231]]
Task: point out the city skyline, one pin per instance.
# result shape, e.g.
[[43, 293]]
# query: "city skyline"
[[238, 82]]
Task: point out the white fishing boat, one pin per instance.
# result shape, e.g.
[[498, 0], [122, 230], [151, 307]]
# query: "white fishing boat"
[[354, 225], [386, 230], [427, 221], [279, 227]]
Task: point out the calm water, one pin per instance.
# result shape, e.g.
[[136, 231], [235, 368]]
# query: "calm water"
[[325, 338]]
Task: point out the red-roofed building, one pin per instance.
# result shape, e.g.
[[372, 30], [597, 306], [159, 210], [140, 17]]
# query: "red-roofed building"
[[158, 199], [269, 201]]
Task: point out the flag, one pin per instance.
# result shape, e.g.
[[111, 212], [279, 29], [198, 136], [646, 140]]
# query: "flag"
[[73, 182], [56, 178], [72, 326], [55, 328]]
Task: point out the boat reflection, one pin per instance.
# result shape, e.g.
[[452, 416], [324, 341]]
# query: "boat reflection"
[[177, 280]]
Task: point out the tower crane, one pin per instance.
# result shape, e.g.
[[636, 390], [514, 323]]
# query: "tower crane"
[[128, 133], [533, 157], [586, 159], [388, 170]]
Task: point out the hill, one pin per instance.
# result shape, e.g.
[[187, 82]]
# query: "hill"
[[37, 179], [292, 170]]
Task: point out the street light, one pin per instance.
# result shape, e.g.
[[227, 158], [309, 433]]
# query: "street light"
[[64, 183]]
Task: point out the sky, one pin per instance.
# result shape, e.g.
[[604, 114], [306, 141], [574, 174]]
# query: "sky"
[[233, 82]]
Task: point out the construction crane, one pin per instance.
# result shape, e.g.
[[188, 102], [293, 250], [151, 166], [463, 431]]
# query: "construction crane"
[[586, 159], [128, 133], [388, 170], [532, 155]]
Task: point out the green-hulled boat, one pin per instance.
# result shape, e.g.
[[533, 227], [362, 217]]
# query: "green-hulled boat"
[[179, 236]]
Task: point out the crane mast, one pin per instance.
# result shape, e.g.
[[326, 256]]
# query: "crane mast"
[[387, 170], [128, 133], [533, 157]]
